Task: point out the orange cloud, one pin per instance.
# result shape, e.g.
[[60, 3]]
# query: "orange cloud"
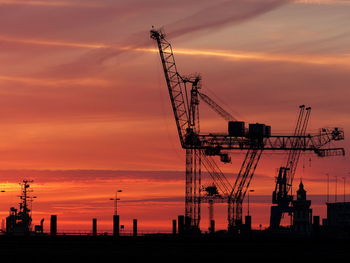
[[342, 59], [300, 58], [55, 82], [52, 43], [48, 3], [324, 2]]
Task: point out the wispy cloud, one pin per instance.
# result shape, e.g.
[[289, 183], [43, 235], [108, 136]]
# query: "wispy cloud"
[[207, 19], [342, 59], [324, 2], [221, 15], [56, 43], [55, 82], [291, 58], [104, 4], [50, 3]]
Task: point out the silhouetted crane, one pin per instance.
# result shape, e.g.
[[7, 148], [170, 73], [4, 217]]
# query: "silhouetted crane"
[[282, 195], [201, 148]]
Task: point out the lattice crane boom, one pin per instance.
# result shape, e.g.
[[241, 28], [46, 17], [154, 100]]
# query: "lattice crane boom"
[[309, 142], [216, 107], [216, 174], [174, 83], [185, 104], [241, 186], [294, 155]]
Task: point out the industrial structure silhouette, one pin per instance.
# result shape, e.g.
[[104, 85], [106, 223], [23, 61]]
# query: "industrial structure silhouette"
[[201, 149], [208, 150]]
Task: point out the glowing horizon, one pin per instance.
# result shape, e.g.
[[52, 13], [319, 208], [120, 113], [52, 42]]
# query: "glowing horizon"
[[85, 108]]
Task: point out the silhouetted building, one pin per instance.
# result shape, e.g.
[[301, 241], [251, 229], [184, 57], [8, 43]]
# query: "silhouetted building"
[[248, 222], [338, 214], [302, 213], [116, 225], [53, 225], [134, 227], [94, 226]]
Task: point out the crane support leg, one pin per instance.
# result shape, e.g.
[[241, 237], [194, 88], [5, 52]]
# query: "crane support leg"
[[277, 214], [241, 186], [193, 190]]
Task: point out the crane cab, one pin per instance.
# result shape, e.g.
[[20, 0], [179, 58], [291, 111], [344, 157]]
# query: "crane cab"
[[236, 128]]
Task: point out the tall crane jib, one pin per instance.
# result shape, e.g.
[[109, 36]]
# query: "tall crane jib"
[[185, 103], [202, 148]]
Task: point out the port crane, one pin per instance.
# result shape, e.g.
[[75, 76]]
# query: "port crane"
[[282, 195], [185, 97]]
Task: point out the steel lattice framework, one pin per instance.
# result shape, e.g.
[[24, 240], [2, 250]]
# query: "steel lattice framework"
[[201, 148]]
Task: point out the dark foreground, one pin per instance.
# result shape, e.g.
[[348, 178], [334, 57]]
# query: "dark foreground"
[[170, 248]]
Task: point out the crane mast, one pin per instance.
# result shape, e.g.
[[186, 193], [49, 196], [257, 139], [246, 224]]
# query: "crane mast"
[[186, 112]]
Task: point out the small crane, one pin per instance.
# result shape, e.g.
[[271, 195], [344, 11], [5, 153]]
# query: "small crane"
[[282, 196]]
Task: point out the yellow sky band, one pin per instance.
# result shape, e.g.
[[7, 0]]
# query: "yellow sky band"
[[342, 59]]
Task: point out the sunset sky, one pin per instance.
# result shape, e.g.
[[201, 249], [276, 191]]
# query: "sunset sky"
[[85, 109]]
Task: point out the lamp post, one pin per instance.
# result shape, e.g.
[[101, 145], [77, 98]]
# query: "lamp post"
[[250, 191], [344, 178], [327, 187], [31, 204], [116, 199], [336, 188]]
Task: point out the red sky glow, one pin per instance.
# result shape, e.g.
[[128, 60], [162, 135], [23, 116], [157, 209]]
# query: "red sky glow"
[[85, 109]]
